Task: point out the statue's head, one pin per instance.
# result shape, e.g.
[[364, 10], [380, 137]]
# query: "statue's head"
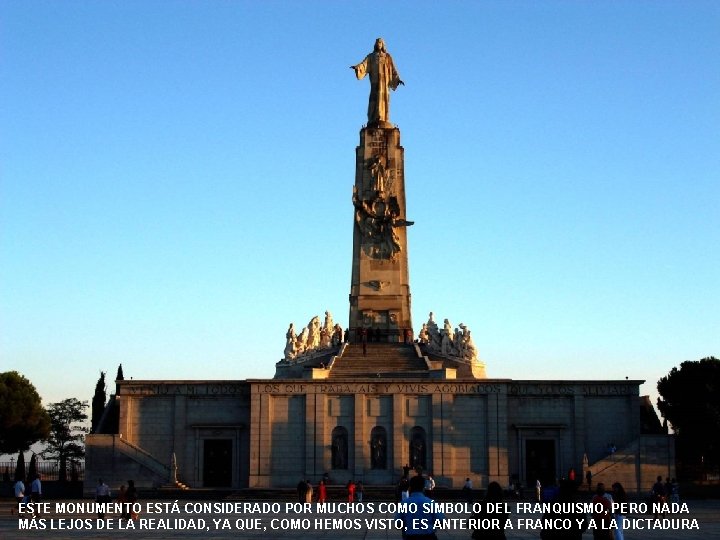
[[379, 45]]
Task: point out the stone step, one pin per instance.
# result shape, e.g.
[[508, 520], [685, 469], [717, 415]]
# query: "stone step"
[[381, 359]]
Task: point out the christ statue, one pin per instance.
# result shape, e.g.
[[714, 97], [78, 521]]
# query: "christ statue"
[[383, 78]]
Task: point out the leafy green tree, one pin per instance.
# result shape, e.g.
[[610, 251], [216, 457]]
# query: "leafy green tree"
[[98, 402], [691, 403], [23, 421], [66, 442]]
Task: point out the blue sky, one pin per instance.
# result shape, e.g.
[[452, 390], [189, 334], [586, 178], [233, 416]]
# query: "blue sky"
[[176, 182]]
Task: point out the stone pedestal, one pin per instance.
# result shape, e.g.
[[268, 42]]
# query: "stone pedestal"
[[380, 286]]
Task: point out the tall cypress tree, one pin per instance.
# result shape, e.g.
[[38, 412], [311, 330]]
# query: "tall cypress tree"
[[20, 467], [98, 403], [119, 377]]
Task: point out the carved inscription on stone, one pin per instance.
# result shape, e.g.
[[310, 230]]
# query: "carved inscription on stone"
[[377, 388], [186, 389]]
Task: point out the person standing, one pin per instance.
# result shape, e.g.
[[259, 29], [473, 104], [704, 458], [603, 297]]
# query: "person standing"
[[122, 501], [429, 485], [102, 497], [359, 491], [602, 514], [132, 496], [404, 488], [566, 510], [322, 492], [619, 497], [36, 492], [301, 490], [467, 490], [351, 491], [19, 490], [658, 497], [588, 479], [493, 496], [674, 492], [419, 520]]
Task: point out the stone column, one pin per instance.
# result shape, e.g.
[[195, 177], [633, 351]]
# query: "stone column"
[[578, 430], [322, 444], [442, 456], [380, 285], [497, 437], [260, 441], [399, 433], [361, 438], [254, 454], [311, 435], [179, 440]]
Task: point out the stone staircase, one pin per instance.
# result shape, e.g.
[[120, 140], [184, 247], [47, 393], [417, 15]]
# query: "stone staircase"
[[654, 452], [382, 360]]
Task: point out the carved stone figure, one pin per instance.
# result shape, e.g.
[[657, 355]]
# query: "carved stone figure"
[[379, 173], [470, 352], [290, 343], [338, 335], [290, 334], [339, 451], [423, 336], [325, 339], [377, 218], [302, 342], [417, 451], [433, 333], [457, 341], [313, 338], [327, 331], [446, 342], [378, 457], [313, 334], [448, 327], [384, 77]]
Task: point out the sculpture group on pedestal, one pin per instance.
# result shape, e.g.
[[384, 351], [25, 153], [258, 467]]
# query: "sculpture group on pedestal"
[[446, 342], [377, 218], [312, 338]]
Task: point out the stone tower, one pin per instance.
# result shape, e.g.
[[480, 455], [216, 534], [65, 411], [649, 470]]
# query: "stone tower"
[[380, 286]]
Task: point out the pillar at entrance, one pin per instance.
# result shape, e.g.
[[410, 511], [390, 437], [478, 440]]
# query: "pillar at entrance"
[[380, 286]]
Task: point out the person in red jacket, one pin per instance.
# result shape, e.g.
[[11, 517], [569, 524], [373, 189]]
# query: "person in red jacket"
[[322, 492]]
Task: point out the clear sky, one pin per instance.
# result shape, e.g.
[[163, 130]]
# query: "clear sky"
[[176, 182]]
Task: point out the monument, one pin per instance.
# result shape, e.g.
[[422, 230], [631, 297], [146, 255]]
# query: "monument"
[[364, 403], [380, 288]]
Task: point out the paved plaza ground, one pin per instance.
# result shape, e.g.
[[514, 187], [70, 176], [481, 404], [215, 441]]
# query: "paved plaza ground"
[[707, 514]]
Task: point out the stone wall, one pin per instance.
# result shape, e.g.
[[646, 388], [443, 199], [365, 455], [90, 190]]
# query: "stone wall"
[[281, 431]]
